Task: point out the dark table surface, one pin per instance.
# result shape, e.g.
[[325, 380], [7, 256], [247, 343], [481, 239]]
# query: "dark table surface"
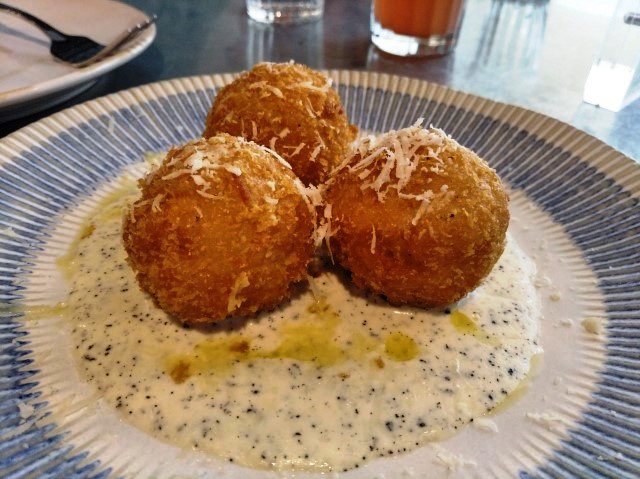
[[536, 54]]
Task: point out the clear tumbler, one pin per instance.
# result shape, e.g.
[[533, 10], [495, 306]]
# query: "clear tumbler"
[[285, 11], [416, 27]]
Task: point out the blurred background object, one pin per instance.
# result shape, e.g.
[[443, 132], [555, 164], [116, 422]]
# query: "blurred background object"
[[513, 36], [268, 43], [284, 11], [416, 27], [614, 78], [31, 79]]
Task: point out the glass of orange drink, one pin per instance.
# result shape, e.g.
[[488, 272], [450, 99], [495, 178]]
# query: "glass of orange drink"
[[416, 27]]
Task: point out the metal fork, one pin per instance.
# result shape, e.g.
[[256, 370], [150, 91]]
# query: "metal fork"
[[75, 50]]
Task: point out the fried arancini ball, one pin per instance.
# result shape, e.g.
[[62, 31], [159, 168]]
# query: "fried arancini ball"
[[223, 228], [290, 108], [416, 217]]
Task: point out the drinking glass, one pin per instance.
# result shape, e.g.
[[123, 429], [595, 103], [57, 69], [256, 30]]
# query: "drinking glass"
[[614, 78], [284, 11], [416, 27]]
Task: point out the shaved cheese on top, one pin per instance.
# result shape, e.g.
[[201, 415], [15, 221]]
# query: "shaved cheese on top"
[[199, 180], [275, 90], [175, 174], [550, 420], [307, 85], [155, 205], [258, 84], [451, 461], [284, 132], [314, 193], [297, 149], [423, 206], [232, 169], [395, 154], [373, 240], [324, 229], [207, 195], [310, 110], [315, 153], [234, 301], [202, 165], [281, 160], [264, 85]]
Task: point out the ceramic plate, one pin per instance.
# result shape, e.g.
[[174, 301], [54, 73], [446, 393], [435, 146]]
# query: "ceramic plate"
[[31, 79], [575, 211]]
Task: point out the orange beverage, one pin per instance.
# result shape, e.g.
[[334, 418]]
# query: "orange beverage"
[[426, 27]]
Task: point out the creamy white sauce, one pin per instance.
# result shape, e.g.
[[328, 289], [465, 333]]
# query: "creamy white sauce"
[[277, 407]]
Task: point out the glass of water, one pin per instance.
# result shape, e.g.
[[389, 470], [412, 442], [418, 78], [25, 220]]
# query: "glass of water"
[[285, 11]]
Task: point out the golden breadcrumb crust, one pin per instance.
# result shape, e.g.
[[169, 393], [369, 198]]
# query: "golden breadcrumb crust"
[[454, 243], [290, 108], [230, 242]]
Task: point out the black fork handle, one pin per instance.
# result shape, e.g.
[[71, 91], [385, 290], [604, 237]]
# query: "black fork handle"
[[48, 30]]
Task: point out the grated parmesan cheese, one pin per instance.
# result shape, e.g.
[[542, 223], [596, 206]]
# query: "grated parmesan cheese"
[[297, 150], [307, 85], [310, 109], [175, 174], [199, 180], [275, 90], [396, 153], [281, 160], [485, 424], [270, 200], [284, 132], [551, 421], [207, 195], [451, 461], [424, 199], [324, 230], [315, 153], [373, 240], [155, 205], [232, 169], [269, 88], [234, 301], [566, 322], [542, 282]]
